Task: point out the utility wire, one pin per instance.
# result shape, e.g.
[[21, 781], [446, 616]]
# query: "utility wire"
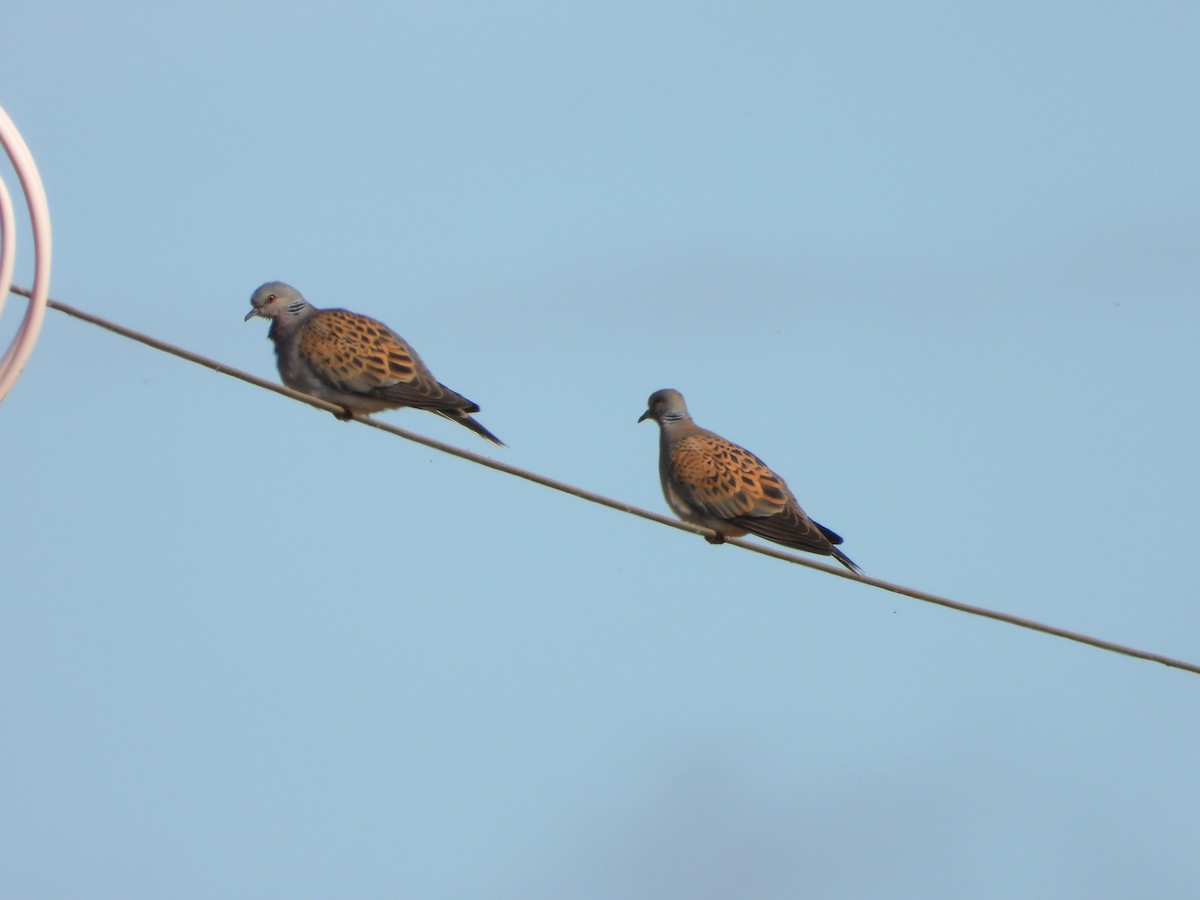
[[593, 497]]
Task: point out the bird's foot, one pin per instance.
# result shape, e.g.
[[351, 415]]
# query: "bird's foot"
[[345, 415], [715, 538]]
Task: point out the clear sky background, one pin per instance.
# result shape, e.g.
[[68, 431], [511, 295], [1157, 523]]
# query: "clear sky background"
[[936, 263]]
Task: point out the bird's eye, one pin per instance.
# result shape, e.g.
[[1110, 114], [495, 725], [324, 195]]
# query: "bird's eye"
[[270, 298]]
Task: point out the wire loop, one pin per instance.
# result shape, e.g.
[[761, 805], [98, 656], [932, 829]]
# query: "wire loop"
[[39, 217]]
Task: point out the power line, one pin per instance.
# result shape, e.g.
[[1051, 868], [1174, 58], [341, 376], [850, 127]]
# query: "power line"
[[593, 497]]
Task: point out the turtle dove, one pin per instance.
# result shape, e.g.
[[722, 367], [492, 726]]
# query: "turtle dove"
[[715, 483], [352, 360]]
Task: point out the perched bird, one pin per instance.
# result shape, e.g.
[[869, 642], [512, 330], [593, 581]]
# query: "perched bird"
[[712, 482], [352, 360]]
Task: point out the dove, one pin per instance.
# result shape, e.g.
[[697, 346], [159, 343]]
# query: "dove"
[[712, 482], [352, 360]]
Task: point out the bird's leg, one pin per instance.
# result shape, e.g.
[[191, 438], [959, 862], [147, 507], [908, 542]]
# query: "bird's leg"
[[715, 538], [345, 415]]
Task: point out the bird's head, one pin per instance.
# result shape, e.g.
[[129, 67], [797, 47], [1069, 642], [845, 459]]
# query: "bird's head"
[[275, 299], [665, 406]]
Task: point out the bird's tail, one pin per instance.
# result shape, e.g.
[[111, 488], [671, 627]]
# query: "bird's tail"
[[846, 561], [830, 535], [462, 418]]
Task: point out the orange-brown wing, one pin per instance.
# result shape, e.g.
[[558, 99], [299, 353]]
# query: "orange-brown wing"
[[723, 480], [729, 482], [359, 355]]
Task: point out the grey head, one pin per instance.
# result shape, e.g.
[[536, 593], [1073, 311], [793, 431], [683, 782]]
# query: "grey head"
[[665, 407], [279, 301]]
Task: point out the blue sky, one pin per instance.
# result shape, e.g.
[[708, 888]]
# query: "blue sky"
[[935, 263]]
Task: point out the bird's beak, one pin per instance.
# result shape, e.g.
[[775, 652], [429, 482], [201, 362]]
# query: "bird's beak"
[[644, 416], [250, 315]]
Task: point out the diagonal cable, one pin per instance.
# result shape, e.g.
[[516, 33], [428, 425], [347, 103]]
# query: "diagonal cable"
[[602, 500]]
